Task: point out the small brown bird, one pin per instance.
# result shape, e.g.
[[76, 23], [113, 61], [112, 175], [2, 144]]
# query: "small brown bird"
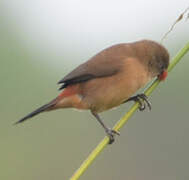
[[109, 79]]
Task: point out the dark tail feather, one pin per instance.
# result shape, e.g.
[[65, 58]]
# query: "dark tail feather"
[[37, 111]]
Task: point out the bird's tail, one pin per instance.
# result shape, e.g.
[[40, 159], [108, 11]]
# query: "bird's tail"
[[43, 108]]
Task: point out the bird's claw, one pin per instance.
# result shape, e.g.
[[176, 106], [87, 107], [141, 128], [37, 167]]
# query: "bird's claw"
[[111, 133], [142, 99]]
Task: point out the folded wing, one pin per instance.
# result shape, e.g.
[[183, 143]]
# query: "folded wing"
[[105, 63]]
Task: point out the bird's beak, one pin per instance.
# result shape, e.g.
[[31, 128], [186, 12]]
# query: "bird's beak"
[[163, 75]]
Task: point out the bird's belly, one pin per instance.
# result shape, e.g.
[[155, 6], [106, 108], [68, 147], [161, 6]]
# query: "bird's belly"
[[105, 93]]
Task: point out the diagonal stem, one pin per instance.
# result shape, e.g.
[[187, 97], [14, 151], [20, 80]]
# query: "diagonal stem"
[[93, 155]]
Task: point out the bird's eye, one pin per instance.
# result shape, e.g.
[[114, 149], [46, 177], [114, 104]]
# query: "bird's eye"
[[162, 67]]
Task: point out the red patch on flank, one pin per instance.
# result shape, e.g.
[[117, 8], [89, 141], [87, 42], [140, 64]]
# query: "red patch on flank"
[[163, 75], [70, 90]]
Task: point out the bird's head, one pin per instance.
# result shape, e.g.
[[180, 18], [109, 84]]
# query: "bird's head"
[[158, 61]]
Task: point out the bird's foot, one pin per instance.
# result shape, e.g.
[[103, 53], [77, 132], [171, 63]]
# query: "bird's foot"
[[111, 133], [142, 99]]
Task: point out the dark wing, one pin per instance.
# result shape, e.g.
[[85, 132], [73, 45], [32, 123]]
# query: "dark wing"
[[77, 79], [105, 63]]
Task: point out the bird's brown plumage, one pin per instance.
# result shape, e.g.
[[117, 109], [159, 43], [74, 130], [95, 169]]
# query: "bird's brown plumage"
[[110, 61], [100, 94], [113, 75], [109, 78]]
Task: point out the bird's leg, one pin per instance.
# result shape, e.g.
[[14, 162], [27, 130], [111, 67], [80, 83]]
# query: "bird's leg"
[[141, 99], [110, 132]]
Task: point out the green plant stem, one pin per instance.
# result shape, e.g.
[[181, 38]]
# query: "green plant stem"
[[92, 156]]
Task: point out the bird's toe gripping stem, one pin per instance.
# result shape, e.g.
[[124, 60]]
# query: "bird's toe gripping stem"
[[142, 99], [110, 133]]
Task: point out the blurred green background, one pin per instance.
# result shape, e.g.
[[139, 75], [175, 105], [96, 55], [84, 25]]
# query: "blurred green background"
[[40, 42]]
